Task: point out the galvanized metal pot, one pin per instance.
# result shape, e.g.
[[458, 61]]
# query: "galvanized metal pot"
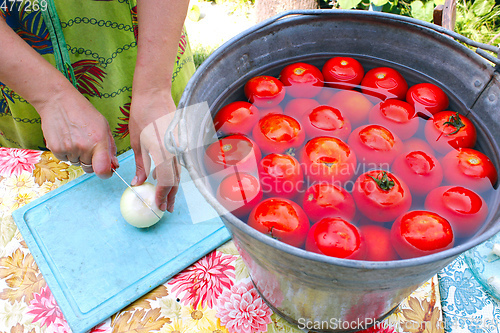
[[308, 289]]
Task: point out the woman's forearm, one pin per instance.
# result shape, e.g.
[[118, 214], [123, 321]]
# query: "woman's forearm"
[[160, 24], [73, 129], [27, 72]]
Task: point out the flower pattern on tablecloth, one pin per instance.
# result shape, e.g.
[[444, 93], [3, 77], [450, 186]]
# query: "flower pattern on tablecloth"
[[14, 161], [466, 306], [202, 283], [215, 294], [466, 293], [44, 308], [242, 310]]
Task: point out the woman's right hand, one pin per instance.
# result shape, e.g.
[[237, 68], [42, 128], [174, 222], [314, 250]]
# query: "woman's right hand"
[[77, 132]]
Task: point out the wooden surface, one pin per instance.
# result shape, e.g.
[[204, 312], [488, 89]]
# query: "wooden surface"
[[445, 15]]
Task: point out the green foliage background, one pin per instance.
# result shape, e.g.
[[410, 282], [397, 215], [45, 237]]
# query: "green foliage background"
[[478, 20]]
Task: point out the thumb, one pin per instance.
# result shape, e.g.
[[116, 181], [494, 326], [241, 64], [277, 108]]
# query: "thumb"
[[102, 161]]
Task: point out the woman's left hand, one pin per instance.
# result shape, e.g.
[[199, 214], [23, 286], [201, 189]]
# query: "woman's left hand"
[[152, 106], [150, 115]]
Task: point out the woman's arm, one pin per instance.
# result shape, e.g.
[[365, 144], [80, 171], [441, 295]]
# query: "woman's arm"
[[73, 129], [160, 24]]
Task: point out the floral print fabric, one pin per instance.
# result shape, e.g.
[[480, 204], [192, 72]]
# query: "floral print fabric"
[[467, 307], [213, 295]]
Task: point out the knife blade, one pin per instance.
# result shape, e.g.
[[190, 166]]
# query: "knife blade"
[[136, 193]]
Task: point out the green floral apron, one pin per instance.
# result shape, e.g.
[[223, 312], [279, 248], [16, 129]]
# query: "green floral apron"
[[94, 43]]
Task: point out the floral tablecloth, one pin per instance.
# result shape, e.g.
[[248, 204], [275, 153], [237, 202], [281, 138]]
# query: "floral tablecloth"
[[214, 295], [466, 305]]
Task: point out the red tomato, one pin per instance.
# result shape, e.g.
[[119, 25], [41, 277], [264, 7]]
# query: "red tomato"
[[335, 237], [464, 209], [274, 109], [236, 118], [342, 72], [327, 159], [384, 83], [281, 219], [448, 130], [327, 200], [395, 115], [375, 145], [230, 154], [417, 144], [325, 95], [277, 133], [353, 105], [239, 193], [264, 91], [297, 107], [378, 243], [326, 121], [381, 196], [301, 80], [470, 168], [427, 98], [419, 233], [281, 176], [421, 171]]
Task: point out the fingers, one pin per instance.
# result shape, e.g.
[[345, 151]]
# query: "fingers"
[[168, 177], [171, 199], [142, 166], [165, 197]]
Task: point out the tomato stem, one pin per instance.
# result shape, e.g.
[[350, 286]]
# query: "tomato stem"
[[385, 182], [456, 122]]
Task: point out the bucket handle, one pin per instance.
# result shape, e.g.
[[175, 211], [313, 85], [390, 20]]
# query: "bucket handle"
[[481, 48]]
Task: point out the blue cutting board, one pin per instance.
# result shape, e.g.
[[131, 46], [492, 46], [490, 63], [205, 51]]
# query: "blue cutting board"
[[94, 262]]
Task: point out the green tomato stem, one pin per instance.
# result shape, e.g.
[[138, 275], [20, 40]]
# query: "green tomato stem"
[[385, 183], [456, 122]]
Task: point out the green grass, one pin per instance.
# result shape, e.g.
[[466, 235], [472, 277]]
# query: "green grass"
[[479, 24], [201, 53]]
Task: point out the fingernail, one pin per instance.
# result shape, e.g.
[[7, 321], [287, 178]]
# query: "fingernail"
[[163, 206], [134, 181], [171, 208]]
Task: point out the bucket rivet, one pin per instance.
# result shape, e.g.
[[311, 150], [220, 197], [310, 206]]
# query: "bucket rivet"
[[477, 84], [492, 98]]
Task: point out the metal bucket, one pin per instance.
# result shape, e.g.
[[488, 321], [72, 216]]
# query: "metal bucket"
[[309, 289]]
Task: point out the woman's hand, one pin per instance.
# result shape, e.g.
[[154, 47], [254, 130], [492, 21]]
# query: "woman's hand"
[[76, 132], [150, 115]]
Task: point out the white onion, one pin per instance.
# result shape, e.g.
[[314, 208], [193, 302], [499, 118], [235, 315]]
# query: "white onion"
[[134, 211]]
